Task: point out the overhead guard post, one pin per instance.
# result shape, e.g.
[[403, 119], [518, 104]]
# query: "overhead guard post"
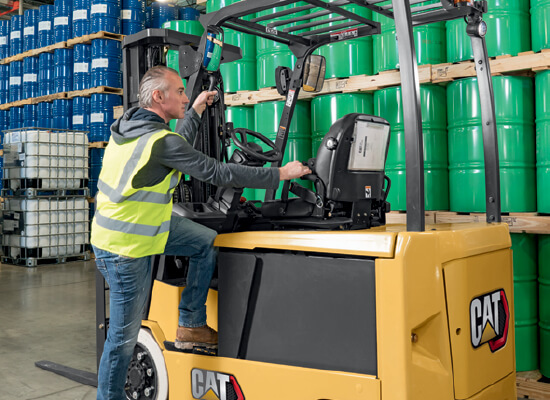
[[476, 29], [410, 92]]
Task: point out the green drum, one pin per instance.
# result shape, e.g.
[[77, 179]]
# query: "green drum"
[[241, 74], [508, 31], [298, 147], [544, 303], [357, 51], [540, 24], [387, 104], [242, 117], [270, 54], [516, 144], [325, 110], [542, 96], [524, 248], [429, 40]]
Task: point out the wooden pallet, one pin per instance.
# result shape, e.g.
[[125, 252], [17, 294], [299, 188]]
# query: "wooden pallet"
[[524, 64], [118, 111], [357, 83], [99, 89], [34, 52], [518, 222], [49, 98], [400, 217], [62, 95], [87, 39], [529, 387], [98, 145], [527, 61], [19, 103]]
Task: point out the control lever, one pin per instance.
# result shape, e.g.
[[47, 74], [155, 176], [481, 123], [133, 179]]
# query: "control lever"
[[212, 85]]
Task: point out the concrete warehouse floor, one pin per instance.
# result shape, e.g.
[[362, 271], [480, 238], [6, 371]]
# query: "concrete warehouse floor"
[[46, 313]]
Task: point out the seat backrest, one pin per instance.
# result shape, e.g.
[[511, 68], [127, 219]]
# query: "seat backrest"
[[351, 158]]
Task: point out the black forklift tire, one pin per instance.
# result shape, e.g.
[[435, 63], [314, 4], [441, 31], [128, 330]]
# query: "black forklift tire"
[[147, 374]]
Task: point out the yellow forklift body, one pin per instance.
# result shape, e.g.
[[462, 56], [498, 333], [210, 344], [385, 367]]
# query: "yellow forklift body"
[[438, 298]]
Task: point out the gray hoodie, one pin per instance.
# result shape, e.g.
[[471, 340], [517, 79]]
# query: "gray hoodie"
[[175, 152]]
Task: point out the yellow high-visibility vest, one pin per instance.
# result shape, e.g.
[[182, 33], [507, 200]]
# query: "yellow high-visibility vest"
[[128, 221]]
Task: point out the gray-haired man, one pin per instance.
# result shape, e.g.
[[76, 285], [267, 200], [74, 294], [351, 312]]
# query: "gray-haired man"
[[142, 165]]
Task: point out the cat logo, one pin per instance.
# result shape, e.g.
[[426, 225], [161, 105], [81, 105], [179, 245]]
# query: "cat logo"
[[489, 320], [213, 385]]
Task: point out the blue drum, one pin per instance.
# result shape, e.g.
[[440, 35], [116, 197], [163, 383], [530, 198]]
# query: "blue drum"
[[4, 38], [30, 29], [45, 25], [45, 74], [62, 22], [30, 77], [161, 13], [81, 113], [62, 112], [16, 35], [106, 63], [81, 18], [105, 16], [189, 14], [81, 70], [4, 83], [44, 115], [16, 81], [16, 117], [30, 116], [101, 117], [63, 70]]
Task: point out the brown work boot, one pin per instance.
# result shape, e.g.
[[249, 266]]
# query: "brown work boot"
[[203, 336]]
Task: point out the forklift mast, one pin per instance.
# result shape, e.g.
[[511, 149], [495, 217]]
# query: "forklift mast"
[[148, 48]]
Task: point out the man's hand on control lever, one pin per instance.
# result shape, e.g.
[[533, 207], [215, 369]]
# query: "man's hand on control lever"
[[202, 100], [293, 170]]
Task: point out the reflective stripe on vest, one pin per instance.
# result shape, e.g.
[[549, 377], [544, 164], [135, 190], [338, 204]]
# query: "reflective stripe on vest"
[[129, 227], [132, 222]]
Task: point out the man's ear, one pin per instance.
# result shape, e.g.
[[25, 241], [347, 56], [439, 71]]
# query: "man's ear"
[[158, 96]]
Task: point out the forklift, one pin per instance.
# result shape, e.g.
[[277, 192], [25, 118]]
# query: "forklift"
[[315, 297]]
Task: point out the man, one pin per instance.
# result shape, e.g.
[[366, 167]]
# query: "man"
[[141, 167]]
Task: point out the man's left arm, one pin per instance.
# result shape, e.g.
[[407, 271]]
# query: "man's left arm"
[[189, 126]]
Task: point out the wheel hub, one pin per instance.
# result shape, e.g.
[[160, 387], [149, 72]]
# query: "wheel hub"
[[141, 377]]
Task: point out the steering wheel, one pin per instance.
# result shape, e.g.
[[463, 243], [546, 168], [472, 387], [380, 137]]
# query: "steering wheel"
[[272, 155]]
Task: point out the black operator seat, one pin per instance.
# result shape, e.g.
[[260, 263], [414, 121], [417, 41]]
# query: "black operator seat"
[[348, 176]]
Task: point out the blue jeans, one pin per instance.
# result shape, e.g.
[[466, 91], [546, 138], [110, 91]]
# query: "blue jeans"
[[129, 280]]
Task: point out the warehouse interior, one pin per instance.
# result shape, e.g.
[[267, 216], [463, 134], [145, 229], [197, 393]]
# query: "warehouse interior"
[[61, 88]]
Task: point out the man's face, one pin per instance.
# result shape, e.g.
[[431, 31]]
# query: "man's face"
[[175, 99]]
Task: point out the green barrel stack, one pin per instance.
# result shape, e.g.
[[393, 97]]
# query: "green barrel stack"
[[542, 100], [272, 54], [388, 105], [516, 135], [508, 31], [429, 40], [357, 51], [298, 147], [524, 247], [241, 74]]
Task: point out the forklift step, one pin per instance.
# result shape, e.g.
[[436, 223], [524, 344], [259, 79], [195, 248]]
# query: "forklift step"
[[201, 350]]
